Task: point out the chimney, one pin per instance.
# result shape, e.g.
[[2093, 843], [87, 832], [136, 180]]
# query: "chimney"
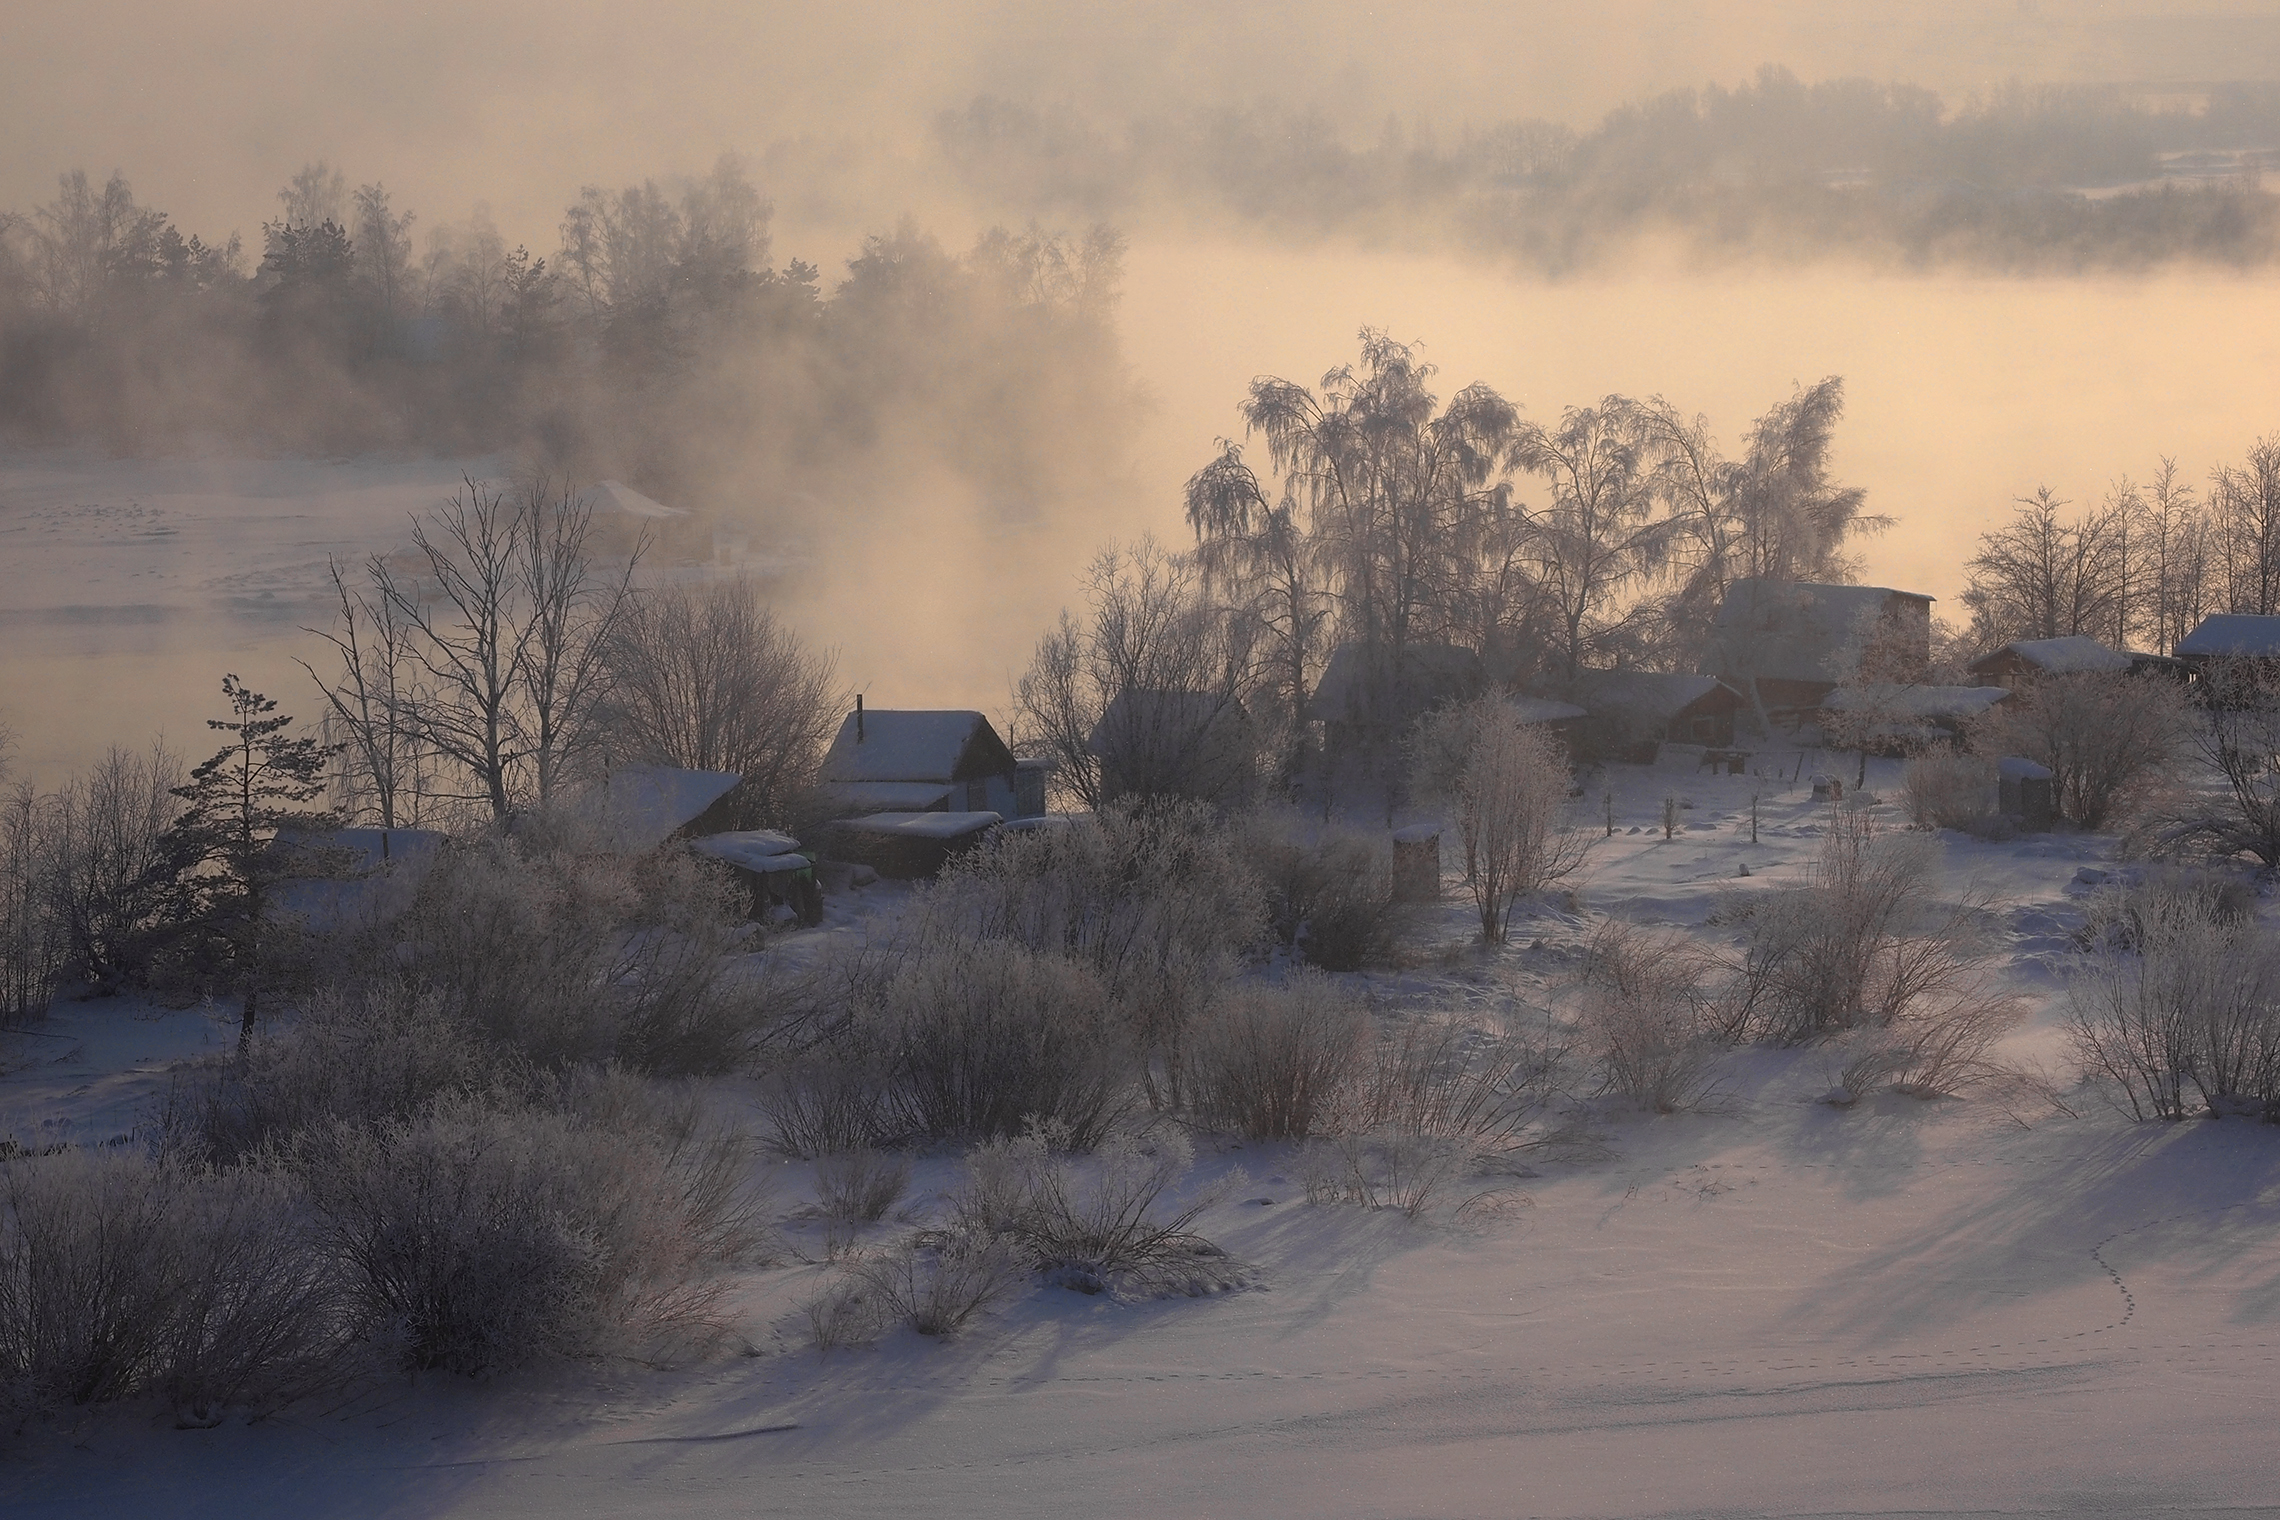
[[858, 717]]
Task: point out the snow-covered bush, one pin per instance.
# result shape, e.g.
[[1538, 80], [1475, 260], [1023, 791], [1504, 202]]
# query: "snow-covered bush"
[[477, 1238], [1329, 888], [2177, 1002], [1274, 1062], [991, 1037], [858, 1187], [2110, 739], [1863, 941], [1641, 1011], [1157, 904], [121, 1276], [1948, 788], [1435, 1099], [937, 1281], [1093, 1223], [1506, 784], [358, 1055], [560, 958]]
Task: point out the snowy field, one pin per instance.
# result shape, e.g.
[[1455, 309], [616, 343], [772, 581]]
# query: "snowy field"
[[1775, 1306]]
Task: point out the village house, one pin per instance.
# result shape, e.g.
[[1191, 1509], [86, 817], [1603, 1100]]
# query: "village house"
[[2022, 662], [2231, 636], [1197, 744], [1365, 694], [912, 760], [1633, 713], [1785, 645]]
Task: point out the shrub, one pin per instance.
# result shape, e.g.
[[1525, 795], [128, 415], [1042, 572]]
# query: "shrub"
[[1437, 1097], [1863, 942], [860, 1186], [2109, 738], [935, 1283], [562, 958], [1273, 1063], [479, 1238], [1329, 890], [1947, 788], [121, 1275], [1157, 904], [991, 1037], [1093, 1226], [1506, 783], [356, 1055], [1936, 1049], [2175, 1001], [1641, 1008]]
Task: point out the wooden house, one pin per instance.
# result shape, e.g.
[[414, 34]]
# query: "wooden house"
[[921, 761], [1632, 713], [1785, 645]]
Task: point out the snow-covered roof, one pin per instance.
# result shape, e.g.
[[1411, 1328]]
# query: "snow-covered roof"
[[1545, 710], [1136, 714], [616, 496], [2232, 633], [639, 807], [924, 825], [1649, 695], [1928, 702], [762, 850], [1428, 674], [916, 744], [2019, 768], [2062, 656]]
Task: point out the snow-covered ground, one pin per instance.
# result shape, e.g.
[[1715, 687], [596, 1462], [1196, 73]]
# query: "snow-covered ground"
[[1773, 1307]]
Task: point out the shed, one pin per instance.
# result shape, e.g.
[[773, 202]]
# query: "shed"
[[771, 868], [920, 760], [1631, 713], [910, 846], [2028, 791], [639, 807], [1164, 743], [1792, 642], [1364, 689], [335, 878]]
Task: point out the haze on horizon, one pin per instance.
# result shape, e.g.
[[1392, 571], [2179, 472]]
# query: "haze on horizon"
[[1967, 386]]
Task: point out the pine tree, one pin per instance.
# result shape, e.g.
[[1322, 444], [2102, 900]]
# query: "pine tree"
[[223, 847]]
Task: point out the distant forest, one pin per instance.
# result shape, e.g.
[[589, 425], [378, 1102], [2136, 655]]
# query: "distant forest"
[[2023, 179], [659, 343]]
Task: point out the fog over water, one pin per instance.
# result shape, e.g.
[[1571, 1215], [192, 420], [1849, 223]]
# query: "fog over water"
[[1964, 391]]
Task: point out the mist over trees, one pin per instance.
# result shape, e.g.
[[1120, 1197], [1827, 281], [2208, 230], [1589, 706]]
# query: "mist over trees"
[[1773, 166], [661, 342]]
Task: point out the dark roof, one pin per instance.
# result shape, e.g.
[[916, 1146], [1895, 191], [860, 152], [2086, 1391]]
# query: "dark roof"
[[1646, 695], [910, 744], [1430, 674], [2061, 656], [1793, 630], [2234, 634]]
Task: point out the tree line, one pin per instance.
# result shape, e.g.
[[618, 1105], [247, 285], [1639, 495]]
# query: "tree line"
[[1773, 165], [661, 341]]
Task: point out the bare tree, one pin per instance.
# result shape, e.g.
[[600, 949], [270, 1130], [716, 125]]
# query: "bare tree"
[[2177, 551], [2244, 503], [369, 710], [1597, 537], [2042, 576], [1144, 699], [111, 866], [710, 680], [1506, 785], [507, 622], [2108, 737], [1404, 498], [2238, 736]]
